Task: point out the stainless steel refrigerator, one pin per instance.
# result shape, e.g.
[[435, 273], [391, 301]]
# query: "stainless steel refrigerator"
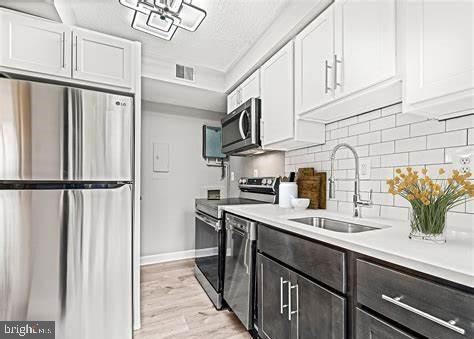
[[66, 208]]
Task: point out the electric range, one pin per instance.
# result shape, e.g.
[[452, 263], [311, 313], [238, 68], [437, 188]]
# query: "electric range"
[[210, 231]]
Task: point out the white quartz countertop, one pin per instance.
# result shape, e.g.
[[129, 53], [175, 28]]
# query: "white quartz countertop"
[[453, 261]]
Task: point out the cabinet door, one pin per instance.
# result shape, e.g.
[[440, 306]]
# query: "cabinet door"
[[314, 55], [33, 44], [316, 312], [232, 100], [368, 326], [272, 294], [251, 87], [277, 97], [101, 58], [439, 49], [365, 44]]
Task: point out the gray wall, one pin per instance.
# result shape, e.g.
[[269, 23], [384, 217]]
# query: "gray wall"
[[168, 198]]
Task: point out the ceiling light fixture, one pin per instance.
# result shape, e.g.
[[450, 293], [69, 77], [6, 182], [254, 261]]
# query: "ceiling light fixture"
[[161, 18]]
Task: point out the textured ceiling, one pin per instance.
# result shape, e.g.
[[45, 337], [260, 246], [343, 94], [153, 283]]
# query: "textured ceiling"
[[228, 31]]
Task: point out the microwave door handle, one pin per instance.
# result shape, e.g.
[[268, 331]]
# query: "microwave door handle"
[[241, 125]]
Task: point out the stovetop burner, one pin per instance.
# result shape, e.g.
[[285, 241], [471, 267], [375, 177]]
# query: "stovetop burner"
[[252, 191]]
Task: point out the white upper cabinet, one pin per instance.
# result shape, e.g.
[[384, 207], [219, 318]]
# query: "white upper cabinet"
[[277, 97], [314, 55], [35, 45], [101, 58], [250, 88], [439, 59], [29, 44], [345, 61], [281, 130], [365, 44]]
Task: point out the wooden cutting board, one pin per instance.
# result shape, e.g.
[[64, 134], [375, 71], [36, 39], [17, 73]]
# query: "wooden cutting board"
[[312, 185]]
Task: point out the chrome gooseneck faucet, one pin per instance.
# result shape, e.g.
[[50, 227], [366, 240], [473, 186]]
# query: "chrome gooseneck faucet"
[[358, 202]]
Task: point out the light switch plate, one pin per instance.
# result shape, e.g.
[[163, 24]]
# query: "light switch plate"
[[364, 169], [161, 162]]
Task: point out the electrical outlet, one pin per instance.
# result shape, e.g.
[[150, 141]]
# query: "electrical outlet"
[[232, 176], [364, 169], [464, 159], [255, 172]]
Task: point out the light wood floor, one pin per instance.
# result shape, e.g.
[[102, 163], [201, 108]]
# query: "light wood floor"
[[175, 306]]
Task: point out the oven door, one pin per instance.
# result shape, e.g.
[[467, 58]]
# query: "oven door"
[[209, 238], [240, 129]]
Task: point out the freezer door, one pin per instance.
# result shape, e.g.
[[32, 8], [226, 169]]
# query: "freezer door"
[[66, 256], [50, 132]]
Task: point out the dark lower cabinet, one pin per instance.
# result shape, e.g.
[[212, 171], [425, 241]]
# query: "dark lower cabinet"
[[291, 306], [370, 327], [319, 313]]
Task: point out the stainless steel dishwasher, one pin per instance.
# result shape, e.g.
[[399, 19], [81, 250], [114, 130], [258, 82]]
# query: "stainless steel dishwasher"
[[239, 276]]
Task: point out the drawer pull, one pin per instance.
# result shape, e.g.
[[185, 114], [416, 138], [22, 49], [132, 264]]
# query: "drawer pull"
[[282, 307], [448, 324]]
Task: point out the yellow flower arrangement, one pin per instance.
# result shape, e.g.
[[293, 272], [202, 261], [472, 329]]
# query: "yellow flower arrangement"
[[429, 198]]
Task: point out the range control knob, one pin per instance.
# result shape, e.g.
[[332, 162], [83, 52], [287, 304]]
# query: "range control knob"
[[264, 181], [269, 182]]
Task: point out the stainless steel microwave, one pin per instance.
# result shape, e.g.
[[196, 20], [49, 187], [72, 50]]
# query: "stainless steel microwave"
[[241, 129]]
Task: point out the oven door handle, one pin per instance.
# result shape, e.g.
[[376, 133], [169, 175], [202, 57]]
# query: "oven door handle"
[[241, 124], [213, 223]]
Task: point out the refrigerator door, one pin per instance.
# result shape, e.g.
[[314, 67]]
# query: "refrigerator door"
[[66, 256], [50, 132]]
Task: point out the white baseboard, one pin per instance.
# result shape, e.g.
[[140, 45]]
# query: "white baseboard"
[[173, 256]]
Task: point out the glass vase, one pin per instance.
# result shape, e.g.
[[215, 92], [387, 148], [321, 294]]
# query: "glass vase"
[[428, 224]]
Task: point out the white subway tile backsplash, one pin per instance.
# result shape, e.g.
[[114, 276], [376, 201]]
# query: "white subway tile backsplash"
[[427, 157], [408, 118], [389, 212], [401, 132], [460, 221], [411, 144], [392, 160], [360, 128], [369, 116], [449, 139], [460, 123], [382, 123], [383, 199], [369, 138], [427, 127], [390, 140], [382, 148], [340, 133], [347, 122], [381, 173]]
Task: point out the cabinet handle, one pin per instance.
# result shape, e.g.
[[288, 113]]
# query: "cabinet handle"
[[64, 49], [326, 86], [336, 61], [451, 324], [282, 307], [75, 44], [290, 311]]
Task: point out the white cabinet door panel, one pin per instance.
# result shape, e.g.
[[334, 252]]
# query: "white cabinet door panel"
[[277, 97], [232, 100], [251, 87], [102, 59], [314, 51], [439, 55], [34, 45], [365, 44]]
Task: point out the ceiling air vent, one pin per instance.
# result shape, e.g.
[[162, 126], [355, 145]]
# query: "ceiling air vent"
[[184, 72]]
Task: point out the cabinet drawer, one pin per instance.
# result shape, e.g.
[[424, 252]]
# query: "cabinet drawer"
[[322, 263], [368, 326], [433, 310]]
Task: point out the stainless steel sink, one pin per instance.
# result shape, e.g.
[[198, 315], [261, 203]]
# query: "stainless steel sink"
[[334, 225]]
